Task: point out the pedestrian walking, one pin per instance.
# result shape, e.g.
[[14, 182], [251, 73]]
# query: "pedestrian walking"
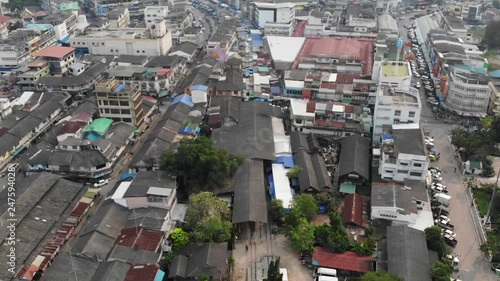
[[246, 247], [455, 169]]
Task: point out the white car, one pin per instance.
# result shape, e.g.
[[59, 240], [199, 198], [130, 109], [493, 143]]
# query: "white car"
[[417, 85], [449, 233], [101, 183]]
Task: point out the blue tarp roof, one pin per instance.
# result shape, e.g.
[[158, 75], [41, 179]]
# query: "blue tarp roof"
[[287, 161], [65, 40], [39, 26], [387, 137], [199, 87], [480, 70], [275, 90], [185, 99], [257, 40], [495, 74], [93, 136]]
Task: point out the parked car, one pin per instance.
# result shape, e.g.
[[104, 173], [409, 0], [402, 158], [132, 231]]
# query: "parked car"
[[101, 183]]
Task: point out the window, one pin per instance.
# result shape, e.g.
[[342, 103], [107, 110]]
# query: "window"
[[416, 174], [125, 111], [402, 171], [127, 120], [411, 114], [123, 103], [417, 164], [404, 163], [397, 113], [113, 102], [389, 171], [115, 111]]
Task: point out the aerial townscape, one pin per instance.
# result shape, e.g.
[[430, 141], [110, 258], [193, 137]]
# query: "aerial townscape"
[[249, 140]]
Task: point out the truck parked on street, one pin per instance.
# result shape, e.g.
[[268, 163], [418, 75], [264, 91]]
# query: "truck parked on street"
[[443, 199]]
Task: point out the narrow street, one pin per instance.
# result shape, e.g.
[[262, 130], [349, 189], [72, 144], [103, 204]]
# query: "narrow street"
[[473, 265]]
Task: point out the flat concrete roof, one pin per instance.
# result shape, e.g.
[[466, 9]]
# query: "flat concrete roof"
[[390, 70]]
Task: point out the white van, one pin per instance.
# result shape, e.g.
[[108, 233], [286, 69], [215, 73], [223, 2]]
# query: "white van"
[[326, 278], [325, 271]]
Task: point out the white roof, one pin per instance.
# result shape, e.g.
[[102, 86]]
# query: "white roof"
[[160, 191], [24, 98], [282, 189], [199, 97], [405, 126], [376, 151], [278, 127], [285, 49], [120, 191], [294, 84], [299, 107], [338, 108], [261, 79], [332, 77]]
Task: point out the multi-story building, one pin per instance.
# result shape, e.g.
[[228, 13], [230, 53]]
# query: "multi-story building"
[[495, 98], [403, 154], [59, 58], [467, 93], [119, 102], [193, 35], [119, 17], [276, 18], [335, 119], [471, 12], [153, 41], [392, 73], [28, 80], [387, 6], [224, 37], [5, 107], [152, 13], [394, 106]]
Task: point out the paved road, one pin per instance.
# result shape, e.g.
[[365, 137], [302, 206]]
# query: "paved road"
[[473, 266]]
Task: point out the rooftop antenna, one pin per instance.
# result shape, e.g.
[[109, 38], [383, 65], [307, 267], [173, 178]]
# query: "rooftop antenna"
[[399, 45]]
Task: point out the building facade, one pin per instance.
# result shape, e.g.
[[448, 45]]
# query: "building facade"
[[467, 93], [119, 102]]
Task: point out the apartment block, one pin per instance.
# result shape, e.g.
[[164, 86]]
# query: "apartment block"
[[467, 93], [119, 101]]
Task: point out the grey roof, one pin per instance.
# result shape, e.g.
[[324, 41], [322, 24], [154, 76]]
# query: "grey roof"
[[133, 256], [196, 260], [316, 14], [8, 143], [407, 253], [146, 179], [89, 106], [312, 174], [392, 195], [450, 48], [25, 126], [101, 230], [125, 71], [119, 133], [387, 22], [253, 132], [149, 218], [137, 60], [232, 82], [224, 31], [306, 142], [89, 75], [418, 190], [185, 47], [355, 156], [84, 158], [111, 271], [47, 108], [65, 267], [234, 61], [38, 212], [408, 141], [250, 193], [164, 61]]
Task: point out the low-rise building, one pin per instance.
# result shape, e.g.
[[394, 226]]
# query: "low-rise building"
[[28, 79], [119, 17], [394, 106], [193, 35], [467, 93], [152, 13], [153, 41], [224, 37], [393, 73], [403, 153], [58, 58]]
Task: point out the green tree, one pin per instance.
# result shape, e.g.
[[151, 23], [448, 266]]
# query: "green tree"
[[435, 240], [277, 212], [336, 221], [492, 34], [441, 272], [180, 238], [302, 236], [496, 4], [333, 241], [361, 248], [200, 166], [380, 276], [305, 205], [209, 218], [273, 273], [294, 172], [326, 200]]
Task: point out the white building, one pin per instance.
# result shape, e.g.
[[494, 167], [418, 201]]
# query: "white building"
[[152, 13], [153, 41], [5, 107], [403, 154], [468, 93], [275, 18], [299, 115], [393, 106], [392, 73], [386, 6], [393, 202]]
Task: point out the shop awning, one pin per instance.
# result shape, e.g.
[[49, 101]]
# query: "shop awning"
[[18, 151], [347, 188]]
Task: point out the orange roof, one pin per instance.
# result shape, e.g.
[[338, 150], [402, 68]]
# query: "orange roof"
[[55, 52], [37, 63], [348, 261]]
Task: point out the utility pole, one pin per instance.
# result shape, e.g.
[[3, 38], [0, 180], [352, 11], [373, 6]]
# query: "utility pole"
[[487, 217]]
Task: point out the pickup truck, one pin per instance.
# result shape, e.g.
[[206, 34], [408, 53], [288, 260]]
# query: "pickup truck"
[[452, 241], [445, 225]]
